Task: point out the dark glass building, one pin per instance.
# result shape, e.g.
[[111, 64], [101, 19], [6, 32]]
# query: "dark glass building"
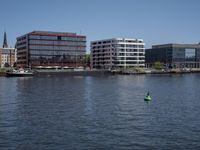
[[174, 55], [41, 48]]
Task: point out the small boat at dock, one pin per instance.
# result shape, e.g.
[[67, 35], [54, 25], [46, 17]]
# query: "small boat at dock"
[[19, 73]]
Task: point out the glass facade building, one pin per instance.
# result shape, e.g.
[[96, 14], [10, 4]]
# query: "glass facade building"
[[40, 48], [174, 55]]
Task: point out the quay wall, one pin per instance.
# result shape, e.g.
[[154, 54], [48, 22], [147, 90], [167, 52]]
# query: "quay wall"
[[71, 73]]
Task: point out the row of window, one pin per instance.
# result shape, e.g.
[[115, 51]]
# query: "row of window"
[[119, 54], [70, 43], [73, 39], [129, 45], [21, 58], [55, 53], [39, 60], [116, 63], [21, 53], [100, 42], [21, 38], [103, 46], [119, 59], [20, 43], [45, 57], [111, 41], [56, 38], [21, 48], [118, 45], [56, 48], [119, 50]]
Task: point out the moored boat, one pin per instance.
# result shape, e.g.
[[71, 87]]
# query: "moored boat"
[[19, 73]]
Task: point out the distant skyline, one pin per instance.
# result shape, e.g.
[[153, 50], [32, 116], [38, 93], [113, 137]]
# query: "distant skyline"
[[154, 21]]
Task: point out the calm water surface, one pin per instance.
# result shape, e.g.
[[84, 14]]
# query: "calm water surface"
[[105, 112]]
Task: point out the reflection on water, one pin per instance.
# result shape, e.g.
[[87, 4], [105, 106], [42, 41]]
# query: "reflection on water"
[[106, 112]]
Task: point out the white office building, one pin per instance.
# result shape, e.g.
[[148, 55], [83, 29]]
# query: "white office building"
[[117, 53]]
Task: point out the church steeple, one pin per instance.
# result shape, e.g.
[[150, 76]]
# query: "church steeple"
[[5, 44]]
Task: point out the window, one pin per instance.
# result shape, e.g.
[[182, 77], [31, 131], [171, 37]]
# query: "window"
[[189, 53], [59, 37]]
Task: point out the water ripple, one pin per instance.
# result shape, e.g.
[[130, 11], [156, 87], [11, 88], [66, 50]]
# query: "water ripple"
[[106, 112]]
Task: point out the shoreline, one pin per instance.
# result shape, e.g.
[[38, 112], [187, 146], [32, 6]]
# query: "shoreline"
[[100, 73], [71, 73], [2, 74], [66, 73], [157, 72], [153, 71]]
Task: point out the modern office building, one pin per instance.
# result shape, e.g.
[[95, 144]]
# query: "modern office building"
[[117, 53], [50, 49], [8, 56], [174, 55]]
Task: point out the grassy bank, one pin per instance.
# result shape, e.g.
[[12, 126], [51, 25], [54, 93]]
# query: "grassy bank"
[[2, 71]]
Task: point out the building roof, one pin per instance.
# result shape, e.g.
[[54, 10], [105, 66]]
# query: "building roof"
[[51, 33], [119, 38], [174, 45]]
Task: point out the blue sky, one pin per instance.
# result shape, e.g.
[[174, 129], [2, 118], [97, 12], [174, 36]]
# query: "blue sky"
[[155, 21]]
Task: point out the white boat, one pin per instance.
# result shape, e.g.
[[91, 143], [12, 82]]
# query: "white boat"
[[19, 73]]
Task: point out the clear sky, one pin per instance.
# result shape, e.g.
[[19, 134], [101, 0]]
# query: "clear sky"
[[155, 21]]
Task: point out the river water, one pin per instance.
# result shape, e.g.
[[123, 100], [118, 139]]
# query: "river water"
[[100, 112]]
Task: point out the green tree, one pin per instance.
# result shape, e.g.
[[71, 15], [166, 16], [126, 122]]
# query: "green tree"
[[87, 59], [6, 65], [15, 65], [158, 65]]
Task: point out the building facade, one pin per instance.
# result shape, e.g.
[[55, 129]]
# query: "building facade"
[[174, 55], [117, 53], [41, 48], [8, 56]]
